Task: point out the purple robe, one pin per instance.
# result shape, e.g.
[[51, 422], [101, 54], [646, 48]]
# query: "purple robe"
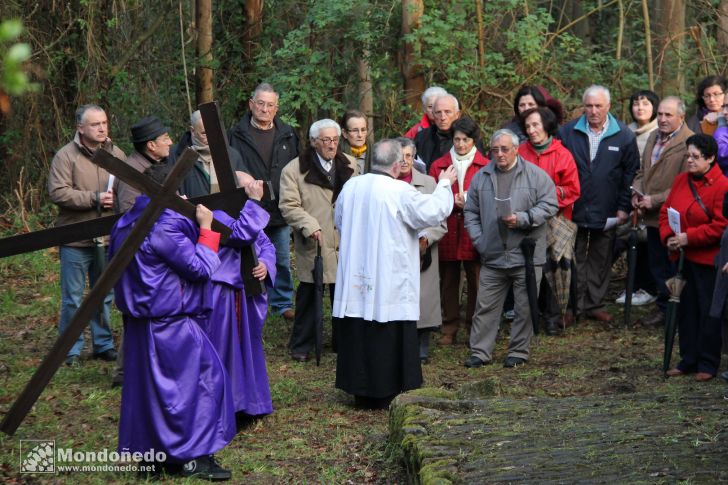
[[176, 396], [236, 323]]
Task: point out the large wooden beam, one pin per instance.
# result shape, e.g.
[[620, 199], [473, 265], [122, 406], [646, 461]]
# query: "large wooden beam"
[[95, 298]]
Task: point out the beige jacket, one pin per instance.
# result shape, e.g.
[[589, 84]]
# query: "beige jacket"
[[656, 180], [307, 200], [430, 311], [75, 182]]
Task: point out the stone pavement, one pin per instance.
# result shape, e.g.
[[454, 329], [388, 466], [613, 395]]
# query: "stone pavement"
[[468, 437]]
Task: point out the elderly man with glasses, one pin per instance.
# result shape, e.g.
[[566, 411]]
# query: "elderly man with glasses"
[[310, 185], [508, 200], [267, 144]]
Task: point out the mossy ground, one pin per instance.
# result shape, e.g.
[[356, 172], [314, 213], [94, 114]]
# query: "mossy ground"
[[315, 434]]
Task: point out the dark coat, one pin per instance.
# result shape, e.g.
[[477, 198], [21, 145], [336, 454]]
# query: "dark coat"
[[285, 149], [197, 181], [432, 145], [605, 182]]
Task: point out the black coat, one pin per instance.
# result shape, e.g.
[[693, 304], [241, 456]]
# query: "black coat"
[[197, 181], [285, 149], [605, 182], [431, 144]]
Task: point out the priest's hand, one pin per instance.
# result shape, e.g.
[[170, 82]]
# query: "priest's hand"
[[449, 173], [260, 271], [203, 216], [254, 189], [423, 245]]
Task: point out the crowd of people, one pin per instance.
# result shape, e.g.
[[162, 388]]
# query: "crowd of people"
[[531, 216]]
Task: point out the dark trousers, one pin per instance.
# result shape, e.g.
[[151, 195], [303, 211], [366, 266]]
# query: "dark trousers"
[[593, 255], [700, 337], [661, 267], [550, 310], [303, 335], [450, 294]]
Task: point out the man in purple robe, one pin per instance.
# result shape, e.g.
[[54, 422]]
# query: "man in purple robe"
[[236, 323], [176, 396]]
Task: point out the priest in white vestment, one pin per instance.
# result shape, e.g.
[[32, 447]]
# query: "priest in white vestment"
[[376, 301]]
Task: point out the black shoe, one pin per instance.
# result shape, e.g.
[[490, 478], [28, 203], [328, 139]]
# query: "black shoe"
[[300, 356], [117, 381], [107, 355], [656, 320], [206, 468], [474, 362], [724, 375], [73, 361], [513, 362], [553, 328]]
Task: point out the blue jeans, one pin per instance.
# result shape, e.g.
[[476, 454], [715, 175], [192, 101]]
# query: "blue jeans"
[[280, 297], [76, 264]]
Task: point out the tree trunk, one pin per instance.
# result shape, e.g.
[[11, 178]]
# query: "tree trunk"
[[414, 80], [722, 26], [253, 25], [648, 45], [366, 99], [669, 33], [203, 73]]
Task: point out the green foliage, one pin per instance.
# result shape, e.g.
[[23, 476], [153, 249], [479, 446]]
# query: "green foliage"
[[13, 79]]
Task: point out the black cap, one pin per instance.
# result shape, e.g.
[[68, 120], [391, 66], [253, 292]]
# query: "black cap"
[[147, 128]]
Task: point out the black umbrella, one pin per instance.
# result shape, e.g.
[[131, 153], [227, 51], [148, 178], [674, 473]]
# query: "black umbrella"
[[318, 299], [631, 269], [675, 285], [528, 247]]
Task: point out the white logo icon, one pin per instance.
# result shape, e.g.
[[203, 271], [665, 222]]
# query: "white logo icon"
[[37, 456]]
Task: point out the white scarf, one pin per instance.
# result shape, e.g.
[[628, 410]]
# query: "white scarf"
[[462, 163]]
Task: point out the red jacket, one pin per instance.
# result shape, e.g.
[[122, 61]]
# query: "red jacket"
[[456, 244], [558, 162], [424, 123], [703, 232]]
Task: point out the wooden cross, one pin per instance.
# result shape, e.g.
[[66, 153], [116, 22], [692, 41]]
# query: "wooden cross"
[[230, 199], [95, 298]]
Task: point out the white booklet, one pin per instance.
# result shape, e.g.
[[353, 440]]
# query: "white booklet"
[[611, 223], [673, 218], [503, 207]]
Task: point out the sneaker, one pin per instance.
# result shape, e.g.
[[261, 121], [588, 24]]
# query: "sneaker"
[[641, 297], [509, 314], [206, 468], [73, 361], [622, 296]]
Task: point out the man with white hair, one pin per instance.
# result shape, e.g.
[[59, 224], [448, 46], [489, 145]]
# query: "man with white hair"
[[606, 156], [428, 104], [377, 301], [509, 200], [436, 141], [310, 185]]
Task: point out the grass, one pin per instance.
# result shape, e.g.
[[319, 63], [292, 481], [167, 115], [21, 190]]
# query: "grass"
[[314, 434]]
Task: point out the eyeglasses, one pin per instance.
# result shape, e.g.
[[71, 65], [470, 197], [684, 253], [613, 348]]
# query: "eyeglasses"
[[357, 130], [328, 141], [713, 95], [262, 104], [501, 149]]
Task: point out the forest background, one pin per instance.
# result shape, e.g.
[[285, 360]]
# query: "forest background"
[[136, 58]]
